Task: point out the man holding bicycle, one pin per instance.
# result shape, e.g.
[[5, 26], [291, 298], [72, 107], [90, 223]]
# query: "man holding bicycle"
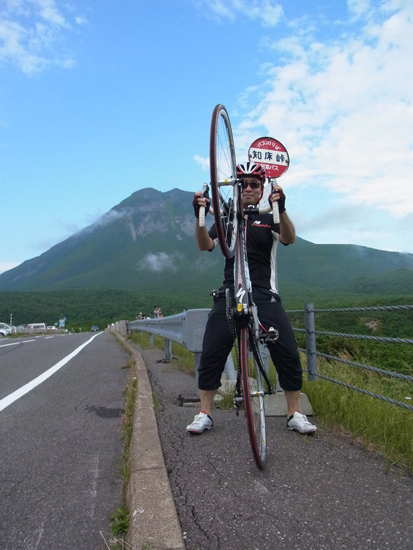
[[263, 237]]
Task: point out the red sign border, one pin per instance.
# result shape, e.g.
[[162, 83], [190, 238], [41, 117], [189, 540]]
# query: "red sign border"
[[268, 138]]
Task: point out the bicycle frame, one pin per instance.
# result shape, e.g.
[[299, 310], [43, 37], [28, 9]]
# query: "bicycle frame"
[[231, 225], [245, 312]]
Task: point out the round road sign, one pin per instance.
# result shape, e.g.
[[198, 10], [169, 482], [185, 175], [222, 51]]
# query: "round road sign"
[[271, 154]]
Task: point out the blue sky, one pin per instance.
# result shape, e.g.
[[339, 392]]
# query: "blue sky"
[[100, 99]]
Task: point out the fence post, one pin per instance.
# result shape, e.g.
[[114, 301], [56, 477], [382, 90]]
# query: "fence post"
[[310, 342], [168, 350], [151, 340], [197, 361]]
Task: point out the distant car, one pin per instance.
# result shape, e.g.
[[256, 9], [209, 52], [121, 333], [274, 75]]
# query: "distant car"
[[95, 328], [37, 326], [4, 329]]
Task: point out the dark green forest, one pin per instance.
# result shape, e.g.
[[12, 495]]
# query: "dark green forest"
[[83, 308]]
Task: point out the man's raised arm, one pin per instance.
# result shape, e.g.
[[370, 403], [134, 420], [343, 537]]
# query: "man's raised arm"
[[203, 240]]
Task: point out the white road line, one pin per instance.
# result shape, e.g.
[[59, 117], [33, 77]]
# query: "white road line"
[[15, 343], [47, 337], [6, 401]]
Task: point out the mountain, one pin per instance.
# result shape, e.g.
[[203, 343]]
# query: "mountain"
[[146, 243], [399, 282]]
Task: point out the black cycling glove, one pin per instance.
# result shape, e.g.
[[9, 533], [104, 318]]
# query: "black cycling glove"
[[196, 206], [281, 201]]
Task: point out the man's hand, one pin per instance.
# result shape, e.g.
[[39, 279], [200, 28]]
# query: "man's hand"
[[200, 200], [277, 194]]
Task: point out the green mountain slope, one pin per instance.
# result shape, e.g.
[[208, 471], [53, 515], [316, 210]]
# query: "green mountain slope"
[[146, 244], [399, 282]]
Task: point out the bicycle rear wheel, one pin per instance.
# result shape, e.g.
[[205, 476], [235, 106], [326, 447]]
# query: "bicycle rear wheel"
[[253, 389], [224, 192]]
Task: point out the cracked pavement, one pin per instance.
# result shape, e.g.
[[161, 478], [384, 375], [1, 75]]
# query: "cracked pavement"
[[317, 492]]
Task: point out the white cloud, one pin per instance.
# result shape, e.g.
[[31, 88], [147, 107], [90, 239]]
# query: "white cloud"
[[268, 13], [358, 7], [158, 262], [81, 20], [202, 162], [343, 107], [31, 33], [111, 216], [91, 222]]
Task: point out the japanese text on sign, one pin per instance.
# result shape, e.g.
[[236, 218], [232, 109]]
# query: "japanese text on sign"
[[270, 156]]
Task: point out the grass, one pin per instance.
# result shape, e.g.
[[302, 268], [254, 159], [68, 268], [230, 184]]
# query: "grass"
[[374, 423], [119, 524], [114, 543], [119, 520], [180, 355], [127, 425], [378, 425]]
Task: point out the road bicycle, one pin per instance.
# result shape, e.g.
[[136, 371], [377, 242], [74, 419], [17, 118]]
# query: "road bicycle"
[[253, 381]]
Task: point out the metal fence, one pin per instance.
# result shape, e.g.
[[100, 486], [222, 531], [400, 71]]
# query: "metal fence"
[[188, 329], [32, 331], [185, 328], [311, 350]]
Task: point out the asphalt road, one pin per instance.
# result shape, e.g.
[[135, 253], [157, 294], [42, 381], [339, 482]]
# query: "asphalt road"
[[60, 450], [317, 492]]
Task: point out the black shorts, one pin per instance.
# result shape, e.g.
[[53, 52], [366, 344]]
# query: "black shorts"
[[218, 341]]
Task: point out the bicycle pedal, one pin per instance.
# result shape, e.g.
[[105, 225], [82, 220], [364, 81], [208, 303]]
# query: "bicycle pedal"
[[272, 335]]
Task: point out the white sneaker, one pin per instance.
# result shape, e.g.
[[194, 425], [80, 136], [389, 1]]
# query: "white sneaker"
[[202, 421], [300, 423]]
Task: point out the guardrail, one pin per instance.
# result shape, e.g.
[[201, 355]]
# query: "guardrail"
[[27, 330], [312, 353], [185, 328], [188, 329]]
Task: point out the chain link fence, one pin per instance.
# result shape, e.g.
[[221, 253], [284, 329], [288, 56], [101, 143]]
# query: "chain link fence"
[[311, 350]]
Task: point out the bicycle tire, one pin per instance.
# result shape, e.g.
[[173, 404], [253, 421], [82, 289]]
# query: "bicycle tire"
[[253, 392], [223, 168]]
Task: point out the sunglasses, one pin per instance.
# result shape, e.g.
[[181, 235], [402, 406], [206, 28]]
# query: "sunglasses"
[[252, 184]]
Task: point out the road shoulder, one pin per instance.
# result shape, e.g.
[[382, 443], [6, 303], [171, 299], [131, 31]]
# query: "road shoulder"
[[153, 516]]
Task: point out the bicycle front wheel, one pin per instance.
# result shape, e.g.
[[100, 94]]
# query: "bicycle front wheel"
[[224, 191], [253, 389]]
